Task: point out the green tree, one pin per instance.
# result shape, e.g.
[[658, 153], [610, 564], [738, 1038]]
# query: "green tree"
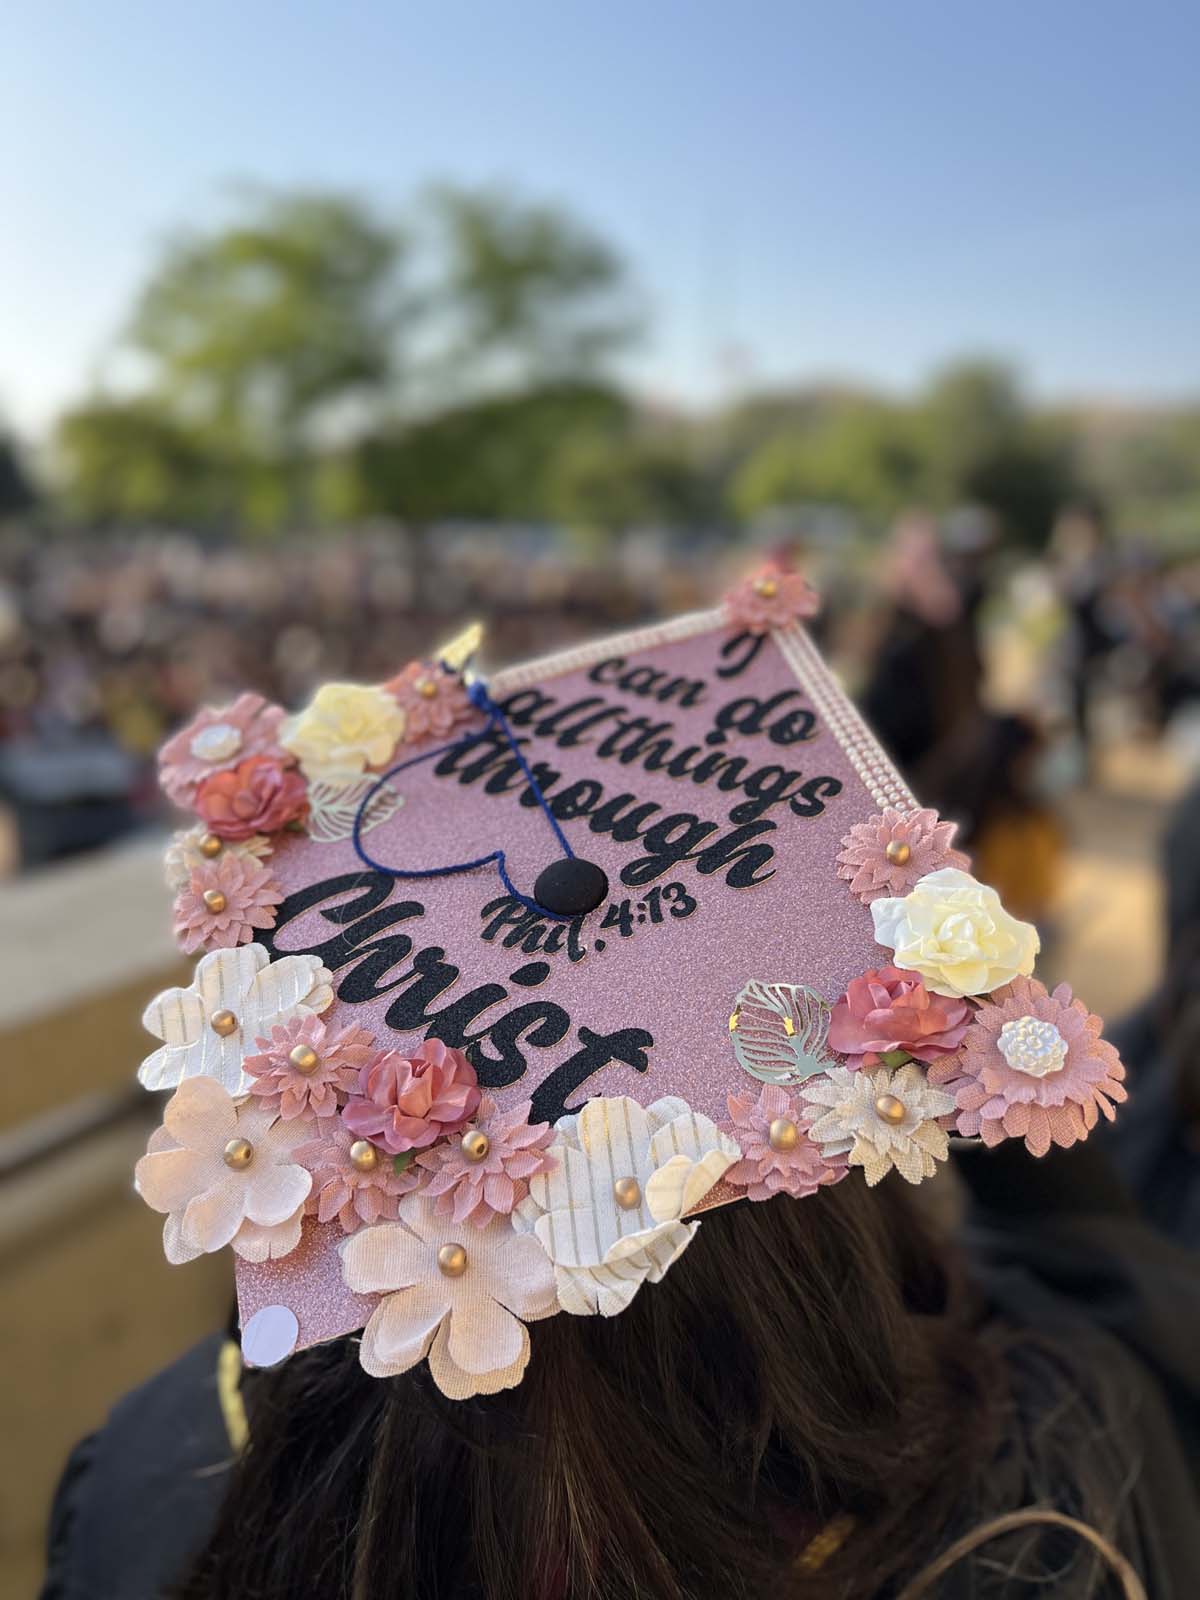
[[129, 460], [17, 493]]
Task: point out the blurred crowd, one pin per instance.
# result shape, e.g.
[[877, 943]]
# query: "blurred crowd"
[[106, 643]]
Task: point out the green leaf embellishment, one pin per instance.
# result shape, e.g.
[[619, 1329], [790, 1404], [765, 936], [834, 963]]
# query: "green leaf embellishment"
[[779, 1032], [403, 1161], [895, 1058]]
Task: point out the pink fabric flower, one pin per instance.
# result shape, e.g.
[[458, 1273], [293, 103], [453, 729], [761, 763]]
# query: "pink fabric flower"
[[433, 699], [217, 739], [224, 902], [476, 1191], [342, 1190], [764, 1171], [259, 795], [407, 1102], [341, 1055], [771, 599], [886, 1010], [1032, 1066], [920, 843]]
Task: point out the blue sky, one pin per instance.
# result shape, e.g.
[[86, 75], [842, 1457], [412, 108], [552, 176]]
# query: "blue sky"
[[802, 190]]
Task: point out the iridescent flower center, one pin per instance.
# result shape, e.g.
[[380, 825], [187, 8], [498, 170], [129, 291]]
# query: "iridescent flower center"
[[218, 742], [1030, 1045]]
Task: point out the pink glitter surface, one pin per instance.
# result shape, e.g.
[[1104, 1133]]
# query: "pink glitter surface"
[[676, 978]]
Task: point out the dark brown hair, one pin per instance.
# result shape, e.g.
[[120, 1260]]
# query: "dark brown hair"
[[801, 1365]]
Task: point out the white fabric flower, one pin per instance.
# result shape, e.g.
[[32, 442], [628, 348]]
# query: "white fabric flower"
[[862, 1120], [255, 1203], [346, 728], [467, 1322], [184, 854], [953, 930], [661, 1161], [258, 993]]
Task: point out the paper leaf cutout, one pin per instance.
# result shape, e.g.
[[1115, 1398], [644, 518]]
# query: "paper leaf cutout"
[[332, 808], [779, 1032]]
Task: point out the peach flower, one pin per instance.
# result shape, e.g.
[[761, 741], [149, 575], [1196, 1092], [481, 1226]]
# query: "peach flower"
[[217, 739], [798, 1168], [337, 1056], [259, 795], [224, 902], [887, 1010], [773, 598], [890, 852], [346, 1191], [434, 700], [475, 1190]]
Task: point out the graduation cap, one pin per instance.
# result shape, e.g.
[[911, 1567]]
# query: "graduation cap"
[[502, 982]]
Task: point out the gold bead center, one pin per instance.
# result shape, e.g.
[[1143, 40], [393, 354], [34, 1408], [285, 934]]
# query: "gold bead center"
[[452, 1260], [897, 852], [475, 1144], [783, 1134], [214, 900], [889, 1109], [364, 1155], [627, 1192], [238, 1154], [304, 1058], [767, 588], [210, 845], [426, 688], [223, 1022]]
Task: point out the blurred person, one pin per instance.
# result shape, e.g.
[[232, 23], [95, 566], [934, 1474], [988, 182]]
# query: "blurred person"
[[1158, 1144], [1079, 553]]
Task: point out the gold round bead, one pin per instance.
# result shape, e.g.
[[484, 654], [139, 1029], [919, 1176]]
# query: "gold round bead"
[[783, 1134], [452, 1260], [898, 853], [768, 588], [889, 1109], [238, 1154], [364, 1155], [304, 1058], [214, 901], [475, 1144], [627, 1192], [210, 845], [223, 1022], [426, 688]]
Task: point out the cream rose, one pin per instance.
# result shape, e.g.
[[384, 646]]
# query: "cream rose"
[[953, 930], [347, 728]]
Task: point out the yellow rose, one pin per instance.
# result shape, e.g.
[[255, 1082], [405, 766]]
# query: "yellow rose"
[[953, 930], [346, 728]]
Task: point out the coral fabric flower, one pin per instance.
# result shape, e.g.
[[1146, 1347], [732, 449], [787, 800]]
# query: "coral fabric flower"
[[216, 740], [235, 996], [226, 1165], [772, 598], [406, 1102], [346, 728], [956, 934], [225, 901], [887, 1010], [798, 1168], [259, 795], [919, 841], [293, 1090], [469, 1190], [880, 1120], [346, 1192], [1033, 1066], [665, 1157], [185, 852], [434, 701], [463, 1312]]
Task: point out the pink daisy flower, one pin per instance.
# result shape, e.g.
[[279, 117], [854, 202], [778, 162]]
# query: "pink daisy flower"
[[307, 1067], [778, 1157], [887, 855], [1032, 1066], [224, 901], [352, 1180], [772, 598], [434, 700], [486, 1172], [217, 739]]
